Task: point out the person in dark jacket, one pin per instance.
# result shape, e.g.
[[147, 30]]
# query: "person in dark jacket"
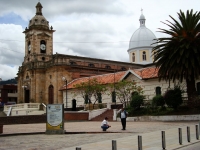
[[123, 116]]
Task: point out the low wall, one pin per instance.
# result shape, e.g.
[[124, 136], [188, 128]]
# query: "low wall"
[[94, 113], [165, 118], [23, 119], [76, 116]]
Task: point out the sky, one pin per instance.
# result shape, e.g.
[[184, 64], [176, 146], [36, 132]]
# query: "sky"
[[90, 28]]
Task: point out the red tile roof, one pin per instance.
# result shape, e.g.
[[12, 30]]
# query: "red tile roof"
[[104, 79], [147, 73], [144, 73]]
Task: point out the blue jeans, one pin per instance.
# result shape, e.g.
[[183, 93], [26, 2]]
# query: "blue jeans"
[[104, 128]]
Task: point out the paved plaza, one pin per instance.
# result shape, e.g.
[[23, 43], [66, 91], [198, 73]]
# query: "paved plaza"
[[88, 136]]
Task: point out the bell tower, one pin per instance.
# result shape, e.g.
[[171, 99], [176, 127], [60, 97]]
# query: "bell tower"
[[32, 75], [38, 38]]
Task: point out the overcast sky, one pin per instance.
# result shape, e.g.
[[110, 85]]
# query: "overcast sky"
[[91, 28]]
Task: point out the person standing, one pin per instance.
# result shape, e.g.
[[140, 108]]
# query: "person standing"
[[104, 124], [123, 116]]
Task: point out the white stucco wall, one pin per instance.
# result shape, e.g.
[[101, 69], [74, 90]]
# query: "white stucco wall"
[[149, 88]]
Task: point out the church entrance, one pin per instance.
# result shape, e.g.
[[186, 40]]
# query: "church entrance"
[[27, 96], [51, 96]]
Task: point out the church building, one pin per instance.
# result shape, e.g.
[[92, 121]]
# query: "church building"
[[41, 74]]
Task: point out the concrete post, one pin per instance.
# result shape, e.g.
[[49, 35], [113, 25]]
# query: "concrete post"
[[180, 136], [115, 114], [114, 145], [163, 140], [188, 134], [139, 142], [197, 132]]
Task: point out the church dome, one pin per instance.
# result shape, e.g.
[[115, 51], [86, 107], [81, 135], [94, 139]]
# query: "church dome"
[[38, 21], [143, 36]]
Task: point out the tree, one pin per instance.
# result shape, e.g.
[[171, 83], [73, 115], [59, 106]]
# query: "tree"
[[124, 90], [91, 87], [177, 56]]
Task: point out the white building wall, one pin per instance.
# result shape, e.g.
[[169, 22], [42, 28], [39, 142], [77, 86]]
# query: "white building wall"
[[149, 88]]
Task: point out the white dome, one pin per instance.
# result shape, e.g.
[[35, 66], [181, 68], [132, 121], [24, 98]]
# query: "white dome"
[[142, 37]]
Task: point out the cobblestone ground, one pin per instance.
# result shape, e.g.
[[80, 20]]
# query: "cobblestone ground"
[[94, 134]]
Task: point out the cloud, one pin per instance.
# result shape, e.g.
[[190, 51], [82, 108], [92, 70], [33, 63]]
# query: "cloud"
[[98, 29]]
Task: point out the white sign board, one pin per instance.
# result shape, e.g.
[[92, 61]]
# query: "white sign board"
[[54, 114]]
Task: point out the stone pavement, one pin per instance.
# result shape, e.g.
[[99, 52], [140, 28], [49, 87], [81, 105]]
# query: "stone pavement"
[[88, 136]]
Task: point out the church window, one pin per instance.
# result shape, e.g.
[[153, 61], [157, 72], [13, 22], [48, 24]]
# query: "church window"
[[72, 63], [123, 68], [158, 90], [29, 47], [36, 20], [27, 76], [198, 88], [43, 58], [108, 67], [91, 65], [133, 57], [144, 57]]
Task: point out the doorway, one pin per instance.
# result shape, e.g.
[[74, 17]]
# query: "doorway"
[[51, 96]]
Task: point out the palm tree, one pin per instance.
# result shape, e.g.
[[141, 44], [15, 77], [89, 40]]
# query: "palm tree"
[[178, 56]]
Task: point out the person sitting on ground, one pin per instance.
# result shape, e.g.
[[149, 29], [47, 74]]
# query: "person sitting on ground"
[[104, 124]]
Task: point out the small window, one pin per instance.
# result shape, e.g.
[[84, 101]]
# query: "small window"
[[43, 58], [113, 96], [108, 67], [99, 97], [198, 88], [158, 90], [144, 57], [123, 68], [72, 63], [27, 76], [133, 57], [91, 65]]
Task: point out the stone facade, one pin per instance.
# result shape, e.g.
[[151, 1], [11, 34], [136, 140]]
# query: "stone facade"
[[40, 76]]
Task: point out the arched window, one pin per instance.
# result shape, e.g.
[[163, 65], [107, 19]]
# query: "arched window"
[[51, 95], [198, 88], [29, 47], [72, 63], [108, 67], [91, 65], [144, 57], [123, 68], [158, 90], [133, 57], [42, 46]]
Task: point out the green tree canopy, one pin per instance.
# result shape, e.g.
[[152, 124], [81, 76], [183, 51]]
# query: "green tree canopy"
[[177, 56]]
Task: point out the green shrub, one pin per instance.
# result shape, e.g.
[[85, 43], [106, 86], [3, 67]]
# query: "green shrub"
[[158, 100], [137, 101], [173, 97]]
